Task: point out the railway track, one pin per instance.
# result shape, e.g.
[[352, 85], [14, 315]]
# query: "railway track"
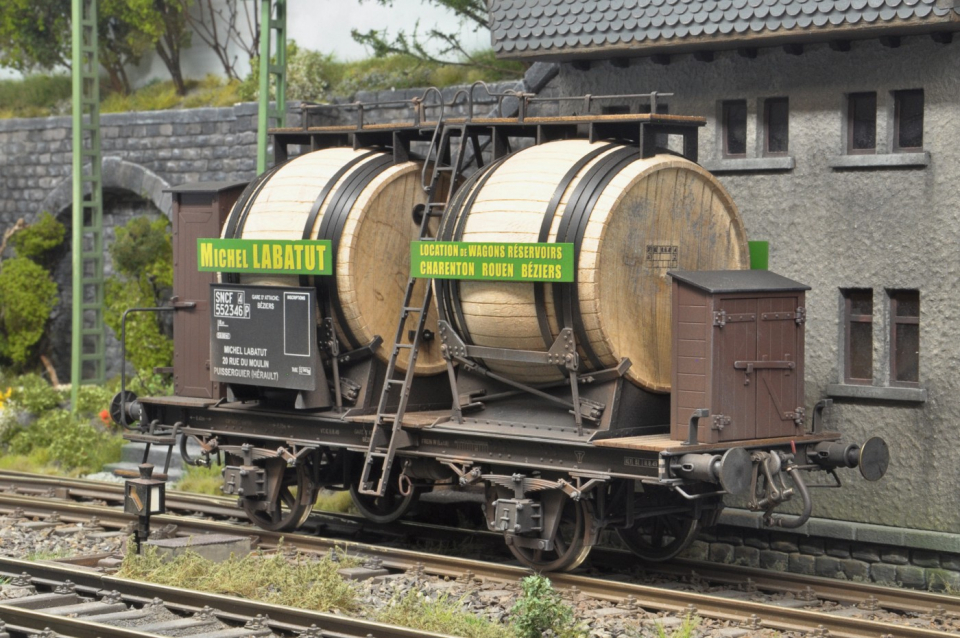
[[82, 603], [800, 603]]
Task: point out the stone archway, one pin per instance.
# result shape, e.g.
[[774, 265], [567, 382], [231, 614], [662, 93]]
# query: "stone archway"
[[116, 174], [129, 190]]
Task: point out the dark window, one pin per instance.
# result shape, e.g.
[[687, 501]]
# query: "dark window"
[[662, 108], [862, 123], [908, 115], [858, 325], [735, 128], [618, 109], [905, 337], [776, 124]]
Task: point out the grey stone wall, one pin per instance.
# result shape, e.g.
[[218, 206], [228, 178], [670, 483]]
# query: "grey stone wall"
[[881, 227]]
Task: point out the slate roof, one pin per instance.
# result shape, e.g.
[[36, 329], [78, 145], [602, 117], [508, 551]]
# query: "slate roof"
[[563, 28]]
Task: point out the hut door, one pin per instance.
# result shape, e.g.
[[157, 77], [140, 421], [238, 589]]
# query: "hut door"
[[736, 321], [776, 376]]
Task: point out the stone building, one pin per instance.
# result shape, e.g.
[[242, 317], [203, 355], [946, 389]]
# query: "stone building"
[[835, 125]]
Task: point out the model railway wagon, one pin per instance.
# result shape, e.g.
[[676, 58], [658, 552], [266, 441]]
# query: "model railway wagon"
[[557, 310]]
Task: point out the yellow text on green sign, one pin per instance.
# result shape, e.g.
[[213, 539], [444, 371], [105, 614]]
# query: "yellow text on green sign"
[[492, 261], [275, 256]]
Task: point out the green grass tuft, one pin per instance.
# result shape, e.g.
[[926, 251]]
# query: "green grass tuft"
[[443, 615], [202, 480], [301, 581]]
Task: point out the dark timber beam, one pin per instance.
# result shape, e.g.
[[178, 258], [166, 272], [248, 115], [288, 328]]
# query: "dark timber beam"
[[942, 37], [890, 41], [793, 49], [703, 56], [620, 63], [661, 59], [581, 65], [748, 52], [840, 45]]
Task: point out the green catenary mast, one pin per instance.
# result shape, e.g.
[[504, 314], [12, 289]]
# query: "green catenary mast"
[[87, 357], [273, 73]]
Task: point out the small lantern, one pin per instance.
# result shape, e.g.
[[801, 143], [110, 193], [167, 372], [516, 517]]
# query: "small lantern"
[[144, 497]]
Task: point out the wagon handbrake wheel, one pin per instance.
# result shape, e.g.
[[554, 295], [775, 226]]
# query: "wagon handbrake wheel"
[[292, 504]]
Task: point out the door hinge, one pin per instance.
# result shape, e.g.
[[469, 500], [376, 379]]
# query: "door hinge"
[[720, 421], [719, 318], [797, 416], [801, 316]]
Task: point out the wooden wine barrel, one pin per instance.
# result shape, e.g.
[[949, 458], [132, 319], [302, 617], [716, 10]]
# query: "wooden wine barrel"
[[363, 203], [631, 221]]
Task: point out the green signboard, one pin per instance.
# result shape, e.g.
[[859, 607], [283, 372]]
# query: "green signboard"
[[491, 261], [273, 256]]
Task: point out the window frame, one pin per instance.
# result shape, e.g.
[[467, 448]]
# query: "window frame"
[[852, 99], [848, 319], [725, 128], [897, 105], [767, 103], [896, 320]]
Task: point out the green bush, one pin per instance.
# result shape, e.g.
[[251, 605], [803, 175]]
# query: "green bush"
[[71, 443], [143, 258], [27, 296], [92, 400], [35, 96], [37, 240], [32, 394], [540, 609]]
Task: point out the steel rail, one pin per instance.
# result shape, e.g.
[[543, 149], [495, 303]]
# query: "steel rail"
[[847, 592], [770, 615], [230, 607], [34, 621]]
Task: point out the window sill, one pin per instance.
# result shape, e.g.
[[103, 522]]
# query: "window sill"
[[750, 164], [883, 160], [911, 395]]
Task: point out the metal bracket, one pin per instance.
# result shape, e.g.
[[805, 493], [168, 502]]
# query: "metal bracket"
[[563, 352], [797, 416], [362, 353], [692, 436], [720, 421], [801, 315], [719, 318]]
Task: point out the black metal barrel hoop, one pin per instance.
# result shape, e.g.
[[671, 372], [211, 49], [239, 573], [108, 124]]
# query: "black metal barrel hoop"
[[322, 197], [457, 235], [445, 230], [575, 217], [539, 287], [238, 216], [331, 226]]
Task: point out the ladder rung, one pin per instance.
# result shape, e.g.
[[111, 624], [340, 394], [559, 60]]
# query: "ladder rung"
[[412, 309], [394, 381], [404, 346]]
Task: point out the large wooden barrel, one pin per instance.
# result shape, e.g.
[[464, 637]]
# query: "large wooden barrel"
[[362, 201], [631, 221]]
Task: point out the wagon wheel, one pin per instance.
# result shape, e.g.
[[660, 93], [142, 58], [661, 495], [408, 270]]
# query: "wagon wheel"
[[569, 550], [659, 538], [292, 507], [381, 509]]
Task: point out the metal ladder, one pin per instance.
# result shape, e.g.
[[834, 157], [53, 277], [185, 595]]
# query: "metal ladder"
[[273, 74], [88, 331], [384, 439]]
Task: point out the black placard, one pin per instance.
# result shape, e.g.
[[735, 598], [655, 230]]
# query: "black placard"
[[264, 335]]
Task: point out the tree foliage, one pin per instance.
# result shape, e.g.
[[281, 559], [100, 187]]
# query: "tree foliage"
[[36, 34], [436, 46]]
